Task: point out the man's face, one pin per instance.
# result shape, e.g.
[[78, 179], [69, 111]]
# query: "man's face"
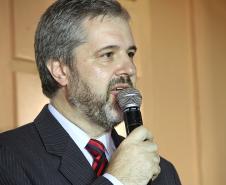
[[103, 66]]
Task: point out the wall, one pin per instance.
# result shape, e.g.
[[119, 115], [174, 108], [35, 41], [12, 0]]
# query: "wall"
[[181, 73], [7, 88], [210, 30]]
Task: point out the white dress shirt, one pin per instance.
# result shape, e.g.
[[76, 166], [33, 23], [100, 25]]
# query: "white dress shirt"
[[81, 139]]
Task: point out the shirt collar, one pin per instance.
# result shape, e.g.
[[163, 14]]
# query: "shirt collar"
[[78, 135]]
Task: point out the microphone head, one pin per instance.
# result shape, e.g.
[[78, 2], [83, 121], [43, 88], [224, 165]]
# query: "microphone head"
[[128, 98]]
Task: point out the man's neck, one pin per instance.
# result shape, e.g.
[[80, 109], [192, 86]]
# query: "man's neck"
[[76, 116]]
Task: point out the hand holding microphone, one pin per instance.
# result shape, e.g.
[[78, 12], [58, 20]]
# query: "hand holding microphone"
[[136, 160]]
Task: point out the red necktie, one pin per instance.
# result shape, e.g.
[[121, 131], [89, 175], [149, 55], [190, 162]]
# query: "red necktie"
[[97, 150]]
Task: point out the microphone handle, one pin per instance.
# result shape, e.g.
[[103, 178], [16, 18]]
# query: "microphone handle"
[[132, 119]]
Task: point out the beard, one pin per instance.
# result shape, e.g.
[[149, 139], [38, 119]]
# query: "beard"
[[99, 109]]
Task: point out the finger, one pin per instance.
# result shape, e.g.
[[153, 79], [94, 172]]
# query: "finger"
[[156, 159], [156, 173], [139, 134], [150, 146]]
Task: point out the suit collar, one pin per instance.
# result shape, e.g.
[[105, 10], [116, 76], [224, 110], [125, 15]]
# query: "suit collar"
[[53, 136]]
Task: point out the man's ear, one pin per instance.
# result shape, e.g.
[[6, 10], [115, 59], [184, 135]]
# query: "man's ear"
[[59, 71]]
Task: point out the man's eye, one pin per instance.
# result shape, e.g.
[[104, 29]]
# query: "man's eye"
[[131, 54], [107, 55]]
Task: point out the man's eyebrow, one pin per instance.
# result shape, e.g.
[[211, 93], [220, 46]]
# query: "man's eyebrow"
[[116, 47], [107, 47], [133, 48]]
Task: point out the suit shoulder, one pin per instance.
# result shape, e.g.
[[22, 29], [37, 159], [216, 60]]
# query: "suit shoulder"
[[18, 135], [168, 174], [167, 166], [164, 162]]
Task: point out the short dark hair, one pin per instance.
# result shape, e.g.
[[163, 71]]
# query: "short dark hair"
[[60, 31]]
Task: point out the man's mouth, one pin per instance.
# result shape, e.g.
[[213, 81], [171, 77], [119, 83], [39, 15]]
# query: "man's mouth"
[[116, 88]]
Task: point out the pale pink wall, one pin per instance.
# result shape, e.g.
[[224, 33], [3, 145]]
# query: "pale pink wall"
[[7, 90], [210, 29]]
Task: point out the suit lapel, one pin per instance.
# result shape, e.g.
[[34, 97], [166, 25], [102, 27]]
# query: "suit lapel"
[[75, 167], [58, 142]]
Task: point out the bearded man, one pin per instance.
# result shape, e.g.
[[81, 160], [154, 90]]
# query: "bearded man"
[[84, 53]]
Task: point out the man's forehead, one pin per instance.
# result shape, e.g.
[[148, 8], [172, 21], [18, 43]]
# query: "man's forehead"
[[107, 25], [105, 31], [102, 20]]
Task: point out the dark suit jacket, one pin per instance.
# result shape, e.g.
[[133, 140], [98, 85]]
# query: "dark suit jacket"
[[42, 153]]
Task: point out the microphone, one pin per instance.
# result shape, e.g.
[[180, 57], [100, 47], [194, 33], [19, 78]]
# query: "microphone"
[[129, 100]]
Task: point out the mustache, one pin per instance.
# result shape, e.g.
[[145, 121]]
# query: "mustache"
[[121, 80]]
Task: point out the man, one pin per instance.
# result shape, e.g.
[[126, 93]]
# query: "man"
[[84, 53]]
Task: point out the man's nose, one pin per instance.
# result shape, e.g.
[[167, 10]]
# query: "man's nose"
[[125, 66]]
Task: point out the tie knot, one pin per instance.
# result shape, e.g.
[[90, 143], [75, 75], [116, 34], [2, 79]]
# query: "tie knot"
[[95, 148]]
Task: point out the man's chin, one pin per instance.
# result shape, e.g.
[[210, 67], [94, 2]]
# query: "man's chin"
[[114, 115], [117, 119], [114, 103]]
